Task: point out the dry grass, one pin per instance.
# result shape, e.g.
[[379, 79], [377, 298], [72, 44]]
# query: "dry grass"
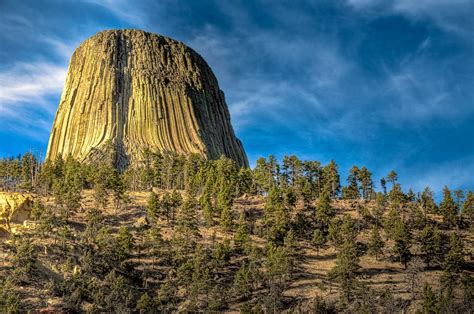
[[308, 280]]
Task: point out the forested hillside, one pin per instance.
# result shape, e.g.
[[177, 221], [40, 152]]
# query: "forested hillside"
[[182, 233]]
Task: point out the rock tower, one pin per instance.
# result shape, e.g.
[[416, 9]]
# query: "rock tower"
[[128, 90]]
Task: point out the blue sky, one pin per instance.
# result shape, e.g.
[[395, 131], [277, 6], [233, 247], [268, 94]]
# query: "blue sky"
[[388, 84]]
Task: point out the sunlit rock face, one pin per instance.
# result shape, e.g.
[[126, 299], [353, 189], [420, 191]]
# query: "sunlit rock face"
[[14, 207], [127, 91]]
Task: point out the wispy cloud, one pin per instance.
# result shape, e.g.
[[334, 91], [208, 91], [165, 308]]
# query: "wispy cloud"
[[451, 15], [28, 84], [28, 98], [454, 174]]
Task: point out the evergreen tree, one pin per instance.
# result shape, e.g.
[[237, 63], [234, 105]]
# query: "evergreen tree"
[[396, 196], [94, 222], [186, 232], [453, 261], [117, 185], [379, 208], [9, 299], [125, 244], [101, 177], [242, 236], [277, 271], [345, 270], [24, 258], [318, 239], [376, 243], [468, 208], [155, 242], [176, 201], [392, 177], [366, 183], [430, 241], [430, 304], [383, 184], [410, 197], [331, 179], [226, 221], [145, 304], [263, 175], [313, 174], [276, 219], [324, 212], [448, 208], [402, 239], [427, 201], [245, 184], [242, 284], [153, 206], [352, 190], [459, 195]]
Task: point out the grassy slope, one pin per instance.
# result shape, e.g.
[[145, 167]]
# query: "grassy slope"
[[308, 280]]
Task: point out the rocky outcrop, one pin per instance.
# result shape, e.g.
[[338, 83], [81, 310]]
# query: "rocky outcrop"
[[14, 207], [127, 91]]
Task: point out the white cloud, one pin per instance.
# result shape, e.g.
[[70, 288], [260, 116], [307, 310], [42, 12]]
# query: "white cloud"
[[30, 82], [454, 174], [451, 15]]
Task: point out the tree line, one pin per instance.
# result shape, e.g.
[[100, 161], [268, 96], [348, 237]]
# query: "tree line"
[[301, 199]]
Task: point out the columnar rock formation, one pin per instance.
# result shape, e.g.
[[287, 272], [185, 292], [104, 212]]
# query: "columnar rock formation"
[[127, 91]]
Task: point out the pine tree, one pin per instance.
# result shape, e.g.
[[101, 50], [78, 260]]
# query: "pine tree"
[[448, 208], [276, 219], [430, 303], [277, 271], [145, 304], [352, 190], [125, 244], [468, 208], [153, 206], [430, 241], [402, 239], [226, 221], [24, 259], [396, 196], [324, 212], [263, 176], [9, 299], [379, 208], [94, 222], [392, 177], [186, 232], [318, 239], [453, 260], [100, 179], [242, 236], [176, 202], [366, 183], [427, 202], [410, 197], [242, 285], [168, 205], [383, 184], [313, 174], [245, 184], [376, 243], [155, 242], [331, 179], [345, 270]]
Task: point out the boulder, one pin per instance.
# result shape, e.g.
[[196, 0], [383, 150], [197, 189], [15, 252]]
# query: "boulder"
[[15, 207]]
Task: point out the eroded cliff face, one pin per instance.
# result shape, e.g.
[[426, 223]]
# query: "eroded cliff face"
[[129, 90]]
